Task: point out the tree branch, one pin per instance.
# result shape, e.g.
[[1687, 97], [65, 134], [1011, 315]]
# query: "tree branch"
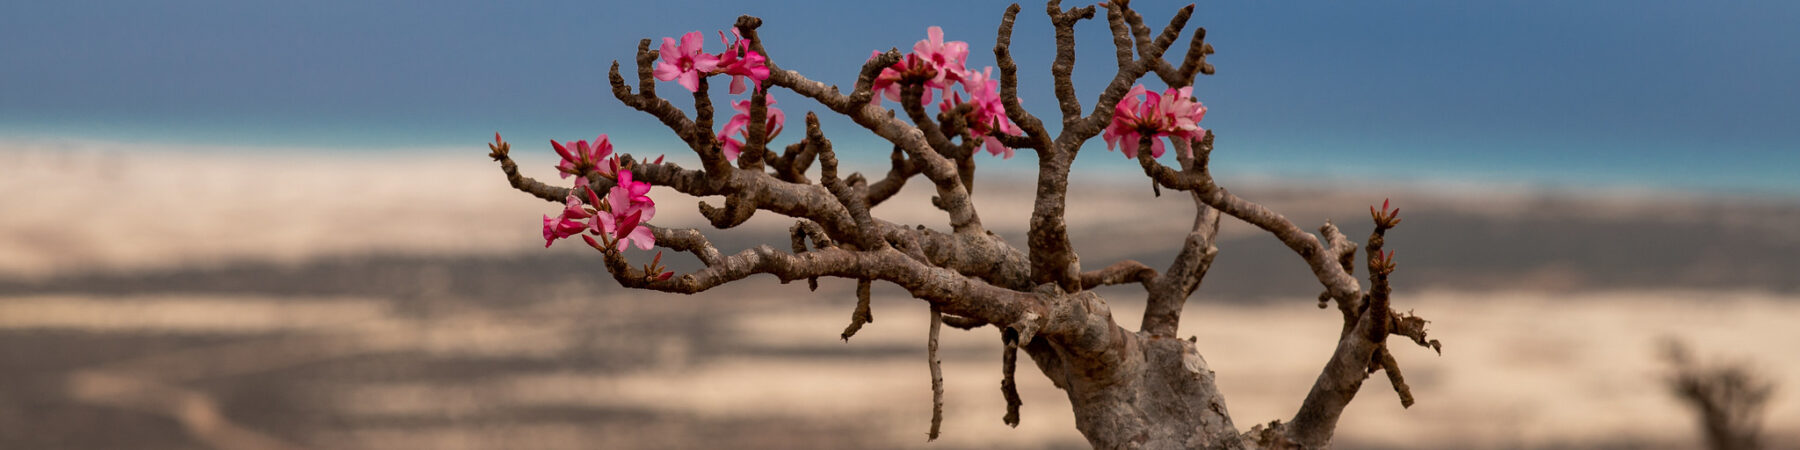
[[500, 152], [1064, 65], [954, 293], [1361, 349], [901, 170], [940, 170], [862, 314], [937, 372], [1127, 271], [1337, 282], [1009, 88]]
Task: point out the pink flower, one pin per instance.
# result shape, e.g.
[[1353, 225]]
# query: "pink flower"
[[579, 157], [1123, 128], [946, 57], [739, 124], [627, 207], [939, 63], [1181, 114], [685, 61], [1175, 113], [751, 65], [887, 83], [567, 223], [989, 113]]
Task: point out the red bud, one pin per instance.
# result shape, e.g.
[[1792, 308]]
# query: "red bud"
[[593, 199], [626, 224], [563, 151]]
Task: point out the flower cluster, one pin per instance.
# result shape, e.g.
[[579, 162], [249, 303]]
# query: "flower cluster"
[[579, 157], [740, 62], [1175, 113], [616, 219], [739, 125], [686, 61], [625, 207], [988, 115], [937, 63], [939, 66]]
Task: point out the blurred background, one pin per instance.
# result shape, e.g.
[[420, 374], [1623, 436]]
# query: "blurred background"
[[273, 225]]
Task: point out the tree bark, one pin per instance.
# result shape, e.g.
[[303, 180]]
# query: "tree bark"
[[1131, 390]]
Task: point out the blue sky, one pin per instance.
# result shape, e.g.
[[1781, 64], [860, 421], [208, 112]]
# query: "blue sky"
[[1686, 95]]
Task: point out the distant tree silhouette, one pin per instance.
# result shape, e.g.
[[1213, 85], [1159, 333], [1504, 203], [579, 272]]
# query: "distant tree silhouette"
[[1730, 399]]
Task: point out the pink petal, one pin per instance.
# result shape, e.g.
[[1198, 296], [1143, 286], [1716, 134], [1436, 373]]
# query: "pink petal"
[[593, 199], [691, 42], [731, 148], [642, 238], [735, 125], [959, 50], [626, 225], [666, 71], [591, 242], [549, 231], [690, 80], [603, 145], [776, 117], [648, 210], [637, 189], [624, 178], [603, 223], [561, 150], [995, 148], [668, 50], [706, 62]]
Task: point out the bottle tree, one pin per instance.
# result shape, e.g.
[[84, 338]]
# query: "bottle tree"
[[1142, 388]]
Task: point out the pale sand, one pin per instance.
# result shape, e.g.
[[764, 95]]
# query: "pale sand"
[[1519, 370]]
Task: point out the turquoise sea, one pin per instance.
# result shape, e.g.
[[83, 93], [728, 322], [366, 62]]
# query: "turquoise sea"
[[1657, 94]]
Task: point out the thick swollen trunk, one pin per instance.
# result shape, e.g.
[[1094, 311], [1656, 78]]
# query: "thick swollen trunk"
[[1132, 390]]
